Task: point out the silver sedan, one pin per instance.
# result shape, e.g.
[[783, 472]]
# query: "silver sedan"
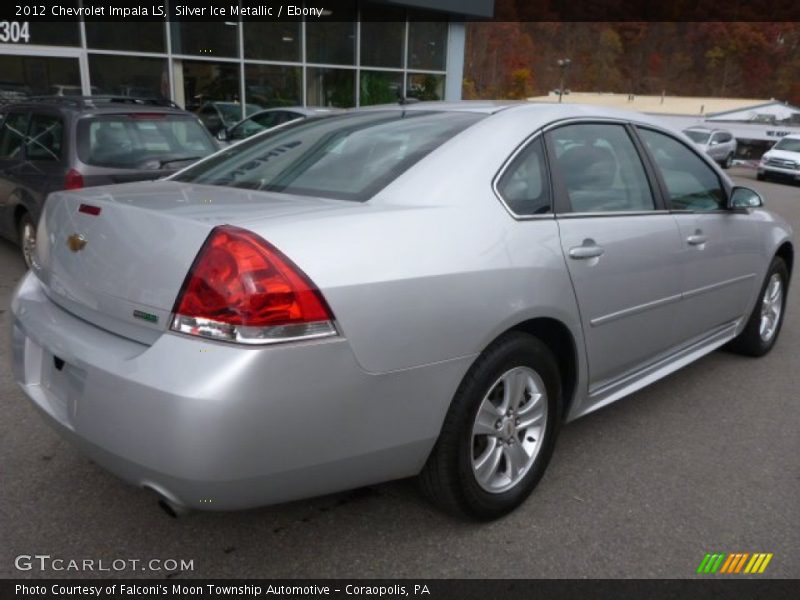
[[428, 289]]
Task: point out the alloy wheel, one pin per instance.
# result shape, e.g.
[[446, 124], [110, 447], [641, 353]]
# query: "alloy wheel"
[[28, 239], [771, 308], [508, 430]]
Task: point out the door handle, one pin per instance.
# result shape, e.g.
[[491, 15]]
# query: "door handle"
[[588, 250], [698, 239]]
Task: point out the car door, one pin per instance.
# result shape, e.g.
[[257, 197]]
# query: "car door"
[[13, 129], [620, 245], [716, 149], [720, 247]]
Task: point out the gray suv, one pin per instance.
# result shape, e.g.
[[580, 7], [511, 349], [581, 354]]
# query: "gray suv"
[[717, 143], [61, 143]]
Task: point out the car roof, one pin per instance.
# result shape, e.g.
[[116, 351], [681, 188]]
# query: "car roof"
[[539, 114], [96, 104]]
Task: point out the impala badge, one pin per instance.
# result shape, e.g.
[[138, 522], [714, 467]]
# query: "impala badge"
[[76, 242]]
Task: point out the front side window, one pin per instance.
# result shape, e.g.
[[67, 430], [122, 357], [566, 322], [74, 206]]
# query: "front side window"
[[691, 183], [347, 157], [600, 168], [146, 141], [45, 138], [12, 135], [524, 185]]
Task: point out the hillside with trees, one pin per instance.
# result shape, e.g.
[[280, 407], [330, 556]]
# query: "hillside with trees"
[[726, 59]]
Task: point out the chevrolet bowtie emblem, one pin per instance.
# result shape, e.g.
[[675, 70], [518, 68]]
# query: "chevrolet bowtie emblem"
[[76, 242]]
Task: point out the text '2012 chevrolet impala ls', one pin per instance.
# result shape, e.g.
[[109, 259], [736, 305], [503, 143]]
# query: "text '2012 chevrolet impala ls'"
[[415, 290]]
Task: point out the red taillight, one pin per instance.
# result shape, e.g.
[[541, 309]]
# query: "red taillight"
[[240, 288], [73, 180]]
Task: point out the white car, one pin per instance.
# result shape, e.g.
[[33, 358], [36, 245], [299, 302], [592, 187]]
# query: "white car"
[[782, 160]]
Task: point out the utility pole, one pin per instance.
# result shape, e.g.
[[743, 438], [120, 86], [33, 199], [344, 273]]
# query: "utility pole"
[[563, 64]]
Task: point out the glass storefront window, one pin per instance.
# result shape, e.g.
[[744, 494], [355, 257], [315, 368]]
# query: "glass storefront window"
[[382, 40], [333, 42], [425, 86], [38, 75], [129, 76], [272, 85], [54, 33], [330, 87], [427, 45], [267, 40], [205, 38], [380, 87], [206, 81], [133, 36]]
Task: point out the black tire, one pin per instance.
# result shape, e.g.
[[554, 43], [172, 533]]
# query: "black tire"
[[448, 478], [761, 176], [750, 342], [728, 162], [24, 222]]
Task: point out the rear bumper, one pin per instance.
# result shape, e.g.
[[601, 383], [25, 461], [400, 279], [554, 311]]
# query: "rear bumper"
[[217, 426]]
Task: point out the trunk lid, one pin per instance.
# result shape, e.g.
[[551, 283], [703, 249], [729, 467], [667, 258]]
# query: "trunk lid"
[[122, 269]]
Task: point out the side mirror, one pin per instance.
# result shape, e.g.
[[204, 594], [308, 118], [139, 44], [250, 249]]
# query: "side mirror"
[[714, 143], [222, 135], [742, 197]]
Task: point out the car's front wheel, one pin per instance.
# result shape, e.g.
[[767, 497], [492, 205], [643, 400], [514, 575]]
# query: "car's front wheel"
[[27, 238], [500, 431]]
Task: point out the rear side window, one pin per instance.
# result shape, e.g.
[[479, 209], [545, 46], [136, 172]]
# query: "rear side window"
[[45, 138], [146, 141], [691, 183], [601, 169], [698, 137], [524, 186], [347, 157], [12, 135]]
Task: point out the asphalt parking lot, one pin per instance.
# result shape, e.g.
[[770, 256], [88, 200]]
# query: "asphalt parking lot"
[[707, 460]]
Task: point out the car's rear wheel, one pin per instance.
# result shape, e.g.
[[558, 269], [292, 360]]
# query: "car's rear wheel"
[[728, 162], [500, 431], [761, 176], [764, 324], [27, 238]]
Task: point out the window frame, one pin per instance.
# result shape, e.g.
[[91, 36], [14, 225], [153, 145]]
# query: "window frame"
[[662, 184], [562, 205], [520, 149]]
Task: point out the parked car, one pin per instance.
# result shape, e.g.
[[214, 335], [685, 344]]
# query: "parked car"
[[717, 143], [782, 160], [221, 115], [70, 90], [67, 142], [429, 289], [269, 118]]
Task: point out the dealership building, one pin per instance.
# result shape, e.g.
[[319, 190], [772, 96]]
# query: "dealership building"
[[357, 54]]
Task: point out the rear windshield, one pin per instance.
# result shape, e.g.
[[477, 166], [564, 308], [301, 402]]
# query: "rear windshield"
[[788, 144], [347, 157], [142, 141], [698, 137]]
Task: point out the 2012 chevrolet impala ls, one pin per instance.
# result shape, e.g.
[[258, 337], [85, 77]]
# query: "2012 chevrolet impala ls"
[[427, 289]]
